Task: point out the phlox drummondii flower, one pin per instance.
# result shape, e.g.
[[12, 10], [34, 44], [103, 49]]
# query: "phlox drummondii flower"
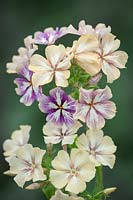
[[110, 59], [101, 148], [59, 195], [59, 107], [26, 88], [72, 172], [94, 107], [83, 29], [84, 53], [23, 59], [55, 66], [18, 139], [49, 35], [55, 134], [27, 165]]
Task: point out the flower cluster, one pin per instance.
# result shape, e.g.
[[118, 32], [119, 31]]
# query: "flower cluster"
[[74, 104]]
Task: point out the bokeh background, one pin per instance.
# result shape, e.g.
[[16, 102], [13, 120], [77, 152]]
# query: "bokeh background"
[[21, 18]]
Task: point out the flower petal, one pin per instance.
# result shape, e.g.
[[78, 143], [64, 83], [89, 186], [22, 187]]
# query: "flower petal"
[[42, 78], [94, 120], [109, 43], [58, 178], [61, 161], [106, 160], [75, 185], [112, 72], [117, 58], [55, 54], [107, 109], [39, 64], [86, 43], [61, 78], [89, 62], [38, 174]]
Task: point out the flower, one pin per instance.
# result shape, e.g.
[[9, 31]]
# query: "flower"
[[23, 59], [26, 88], [101, 148], [111, 60], [59, 106], [27, 165], [72, 172], [49, 35], [83, 29], [94, 107], [55, 66], [18, 139], [59, 195], [55, 134], [84, 54]]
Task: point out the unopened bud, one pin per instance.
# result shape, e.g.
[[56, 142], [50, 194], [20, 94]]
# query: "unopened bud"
[[33, 186], [109, 190]]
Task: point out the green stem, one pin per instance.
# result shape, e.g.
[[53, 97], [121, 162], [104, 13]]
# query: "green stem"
[[99, 180]]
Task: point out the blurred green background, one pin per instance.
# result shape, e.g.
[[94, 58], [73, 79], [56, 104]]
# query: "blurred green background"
[[21, 18]]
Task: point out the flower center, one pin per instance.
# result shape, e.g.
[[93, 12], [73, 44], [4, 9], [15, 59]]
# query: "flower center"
[[92, 152], [60, 107], [73, 172]]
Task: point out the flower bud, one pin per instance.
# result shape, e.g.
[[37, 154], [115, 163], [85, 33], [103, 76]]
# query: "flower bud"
[[109, 190]]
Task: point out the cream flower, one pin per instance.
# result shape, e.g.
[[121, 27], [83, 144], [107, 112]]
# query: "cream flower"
[[55, 134], [55, 66], [84, 55], [101, 148], [27, 165], [72, 172], [18, 139], [23, 59], [110, 59], [59, 195]]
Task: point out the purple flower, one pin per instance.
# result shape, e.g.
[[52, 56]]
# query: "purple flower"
[[59, 106], [25, 88], [49, 35], [94, 107]]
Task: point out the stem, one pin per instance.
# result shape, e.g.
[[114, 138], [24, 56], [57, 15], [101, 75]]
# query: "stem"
[[65, 147], [99, 180]]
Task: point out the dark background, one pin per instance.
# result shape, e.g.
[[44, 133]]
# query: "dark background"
[[21, 18]]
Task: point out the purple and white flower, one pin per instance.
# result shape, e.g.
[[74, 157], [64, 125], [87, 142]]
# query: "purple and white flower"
[[25, 87], [59, 106], [49, 35], [94, 107]]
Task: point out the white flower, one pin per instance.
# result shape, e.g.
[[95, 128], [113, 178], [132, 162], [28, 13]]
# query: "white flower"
[[27, 165], [55, 134], [72, 172], [18, 139], [84, 53], [111, 60], [101, 148], [59, 195], [23, 59], [83, 29], [55, 66]]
